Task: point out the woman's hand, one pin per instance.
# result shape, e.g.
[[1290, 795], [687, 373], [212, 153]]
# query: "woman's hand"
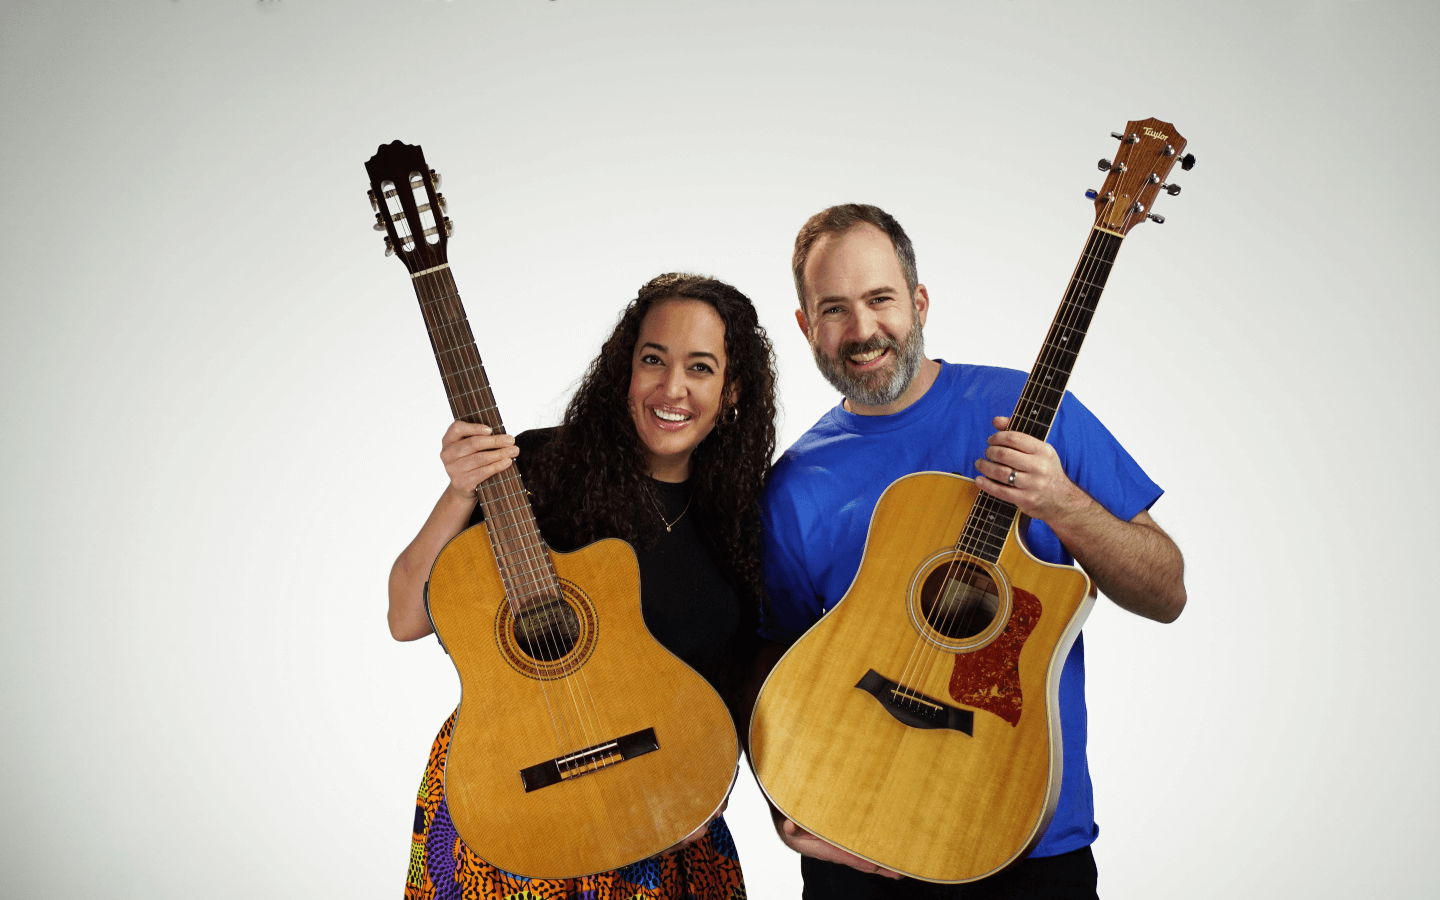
[[472, 454]]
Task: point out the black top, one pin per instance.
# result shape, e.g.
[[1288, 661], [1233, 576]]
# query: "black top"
[[688, 605]]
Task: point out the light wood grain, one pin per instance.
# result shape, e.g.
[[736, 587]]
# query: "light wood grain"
[[934, 804], [509, 721]]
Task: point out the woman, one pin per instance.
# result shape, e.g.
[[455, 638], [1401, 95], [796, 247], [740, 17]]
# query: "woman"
[[665, 444]]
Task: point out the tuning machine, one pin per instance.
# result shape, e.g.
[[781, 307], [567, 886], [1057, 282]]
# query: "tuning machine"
[[389, 246], [1125, 138], [374, 201], [1187, 162], [379, 222]]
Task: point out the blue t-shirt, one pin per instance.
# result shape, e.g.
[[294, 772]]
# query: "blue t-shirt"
[[822, 492]]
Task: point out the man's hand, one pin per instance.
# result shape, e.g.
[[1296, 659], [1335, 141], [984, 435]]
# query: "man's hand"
[[1026, 472], [1134, 563], [807, 844]]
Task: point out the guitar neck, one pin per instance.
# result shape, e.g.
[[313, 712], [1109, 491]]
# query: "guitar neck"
[[990, 518], [525, 567]]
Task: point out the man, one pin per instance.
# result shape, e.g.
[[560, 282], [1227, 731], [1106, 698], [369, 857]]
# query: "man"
[[863, 311]]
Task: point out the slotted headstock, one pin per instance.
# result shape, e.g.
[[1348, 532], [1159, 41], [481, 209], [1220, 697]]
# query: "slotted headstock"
[[1148, 151], [408, 206]]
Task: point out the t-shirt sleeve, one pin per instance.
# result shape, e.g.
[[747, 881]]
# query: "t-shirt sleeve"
[[791, 604], [1095, 461], [1101, 467]]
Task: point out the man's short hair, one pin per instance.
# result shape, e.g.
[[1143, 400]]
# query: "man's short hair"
[[839, 219]]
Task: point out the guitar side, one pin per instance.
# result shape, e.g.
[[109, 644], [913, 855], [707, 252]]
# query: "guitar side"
[[614, 683], [935, 803]]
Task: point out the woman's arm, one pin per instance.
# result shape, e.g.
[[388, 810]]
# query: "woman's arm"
[[471, 454]]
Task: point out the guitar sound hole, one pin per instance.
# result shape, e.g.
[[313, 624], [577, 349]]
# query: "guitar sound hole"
[[547, 632], [959, 600]]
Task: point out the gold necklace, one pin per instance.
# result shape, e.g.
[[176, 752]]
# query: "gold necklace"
[[661, 511]]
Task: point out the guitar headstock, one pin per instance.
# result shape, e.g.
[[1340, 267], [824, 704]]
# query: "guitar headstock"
[[408, 206], [1148, 151]]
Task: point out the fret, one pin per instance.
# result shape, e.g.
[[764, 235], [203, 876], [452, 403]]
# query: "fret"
[[520, 552], [991, 519]]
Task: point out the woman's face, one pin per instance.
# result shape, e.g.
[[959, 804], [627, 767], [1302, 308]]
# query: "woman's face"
[[677, 379]]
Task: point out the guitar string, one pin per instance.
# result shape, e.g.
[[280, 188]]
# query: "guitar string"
[[534, 577], [519, 560], [453, 333], [958, 600], [449, 339], [1081, 301]]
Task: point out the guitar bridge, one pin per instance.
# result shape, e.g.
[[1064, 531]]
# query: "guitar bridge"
[[591, 759], [910, 707]]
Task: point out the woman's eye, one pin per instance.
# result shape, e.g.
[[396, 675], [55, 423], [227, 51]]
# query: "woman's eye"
[[650, 359], [702, 367]]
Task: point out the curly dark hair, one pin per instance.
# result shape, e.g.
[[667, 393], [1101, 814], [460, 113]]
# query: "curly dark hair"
[[588, 479]]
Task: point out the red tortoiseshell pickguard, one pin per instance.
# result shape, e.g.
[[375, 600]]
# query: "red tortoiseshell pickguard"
[[989, 678]]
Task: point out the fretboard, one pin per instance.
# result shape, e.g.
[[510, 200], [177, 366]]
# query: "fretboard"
[[519, 550], [990, 518]]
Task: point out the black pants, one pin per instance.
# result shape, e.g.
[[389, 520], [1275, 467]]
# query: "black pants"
[[1069, 876]]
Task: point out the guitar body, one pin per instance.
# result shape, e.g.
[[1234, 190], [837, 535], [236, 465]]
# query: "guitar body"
[[581, 744], [936, 803], [518, 712]]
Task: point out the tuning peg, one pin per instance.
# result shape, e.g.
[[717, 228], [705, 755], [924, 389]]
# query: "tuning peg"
[[379, 222], [374, 203], [1157, 219], [1103, 165], [1187, 162], [435, 179], [440, 201], [1092, 194], [1137, 207], [449, 227], [1171, 189], [389, 247], [1127, 138], [1168, 151]]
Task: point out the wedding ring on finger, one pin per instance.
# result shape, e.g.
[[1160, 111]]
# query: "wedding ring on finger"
[[1010, 481]]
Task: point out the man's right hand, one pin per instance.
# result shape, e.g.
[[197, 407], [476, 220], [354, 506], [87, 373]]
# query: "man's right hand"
[[807, 844]]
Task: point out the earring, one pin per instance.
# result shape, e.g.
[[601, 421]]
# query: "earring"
[[731, 415]]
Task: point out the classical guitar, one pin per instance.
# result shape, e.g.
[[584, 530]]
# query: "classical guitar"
[[917, 724], [581, 744]]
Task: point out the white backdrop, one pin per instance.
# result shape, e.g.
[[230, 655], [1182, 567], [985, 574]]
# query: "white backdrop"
[[221, 414]]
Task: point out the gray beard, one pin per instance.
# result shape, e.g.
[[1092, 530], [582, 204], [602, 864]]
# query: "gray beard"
[[877, 388]]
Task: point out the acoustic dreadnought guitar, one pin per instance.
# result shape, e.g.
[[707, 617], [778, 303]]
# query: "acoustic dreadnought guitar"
[[916, 723], [581, 744]]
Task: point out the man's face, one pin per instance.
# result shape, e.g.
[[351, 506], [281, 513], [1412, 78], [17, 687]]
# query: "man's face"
[[864, 328]]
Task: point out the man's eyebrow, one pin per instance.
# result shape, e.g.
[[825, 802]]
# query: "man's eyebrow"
[[873, 292]]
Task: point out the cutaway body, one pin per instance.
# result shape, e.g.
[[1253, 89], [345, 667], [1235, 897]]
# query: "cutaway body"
[[921, 738], [582, 755]]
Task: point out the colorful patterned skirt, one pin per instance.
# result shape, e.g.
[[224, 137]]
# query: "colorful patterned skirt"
[[443, 868]]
